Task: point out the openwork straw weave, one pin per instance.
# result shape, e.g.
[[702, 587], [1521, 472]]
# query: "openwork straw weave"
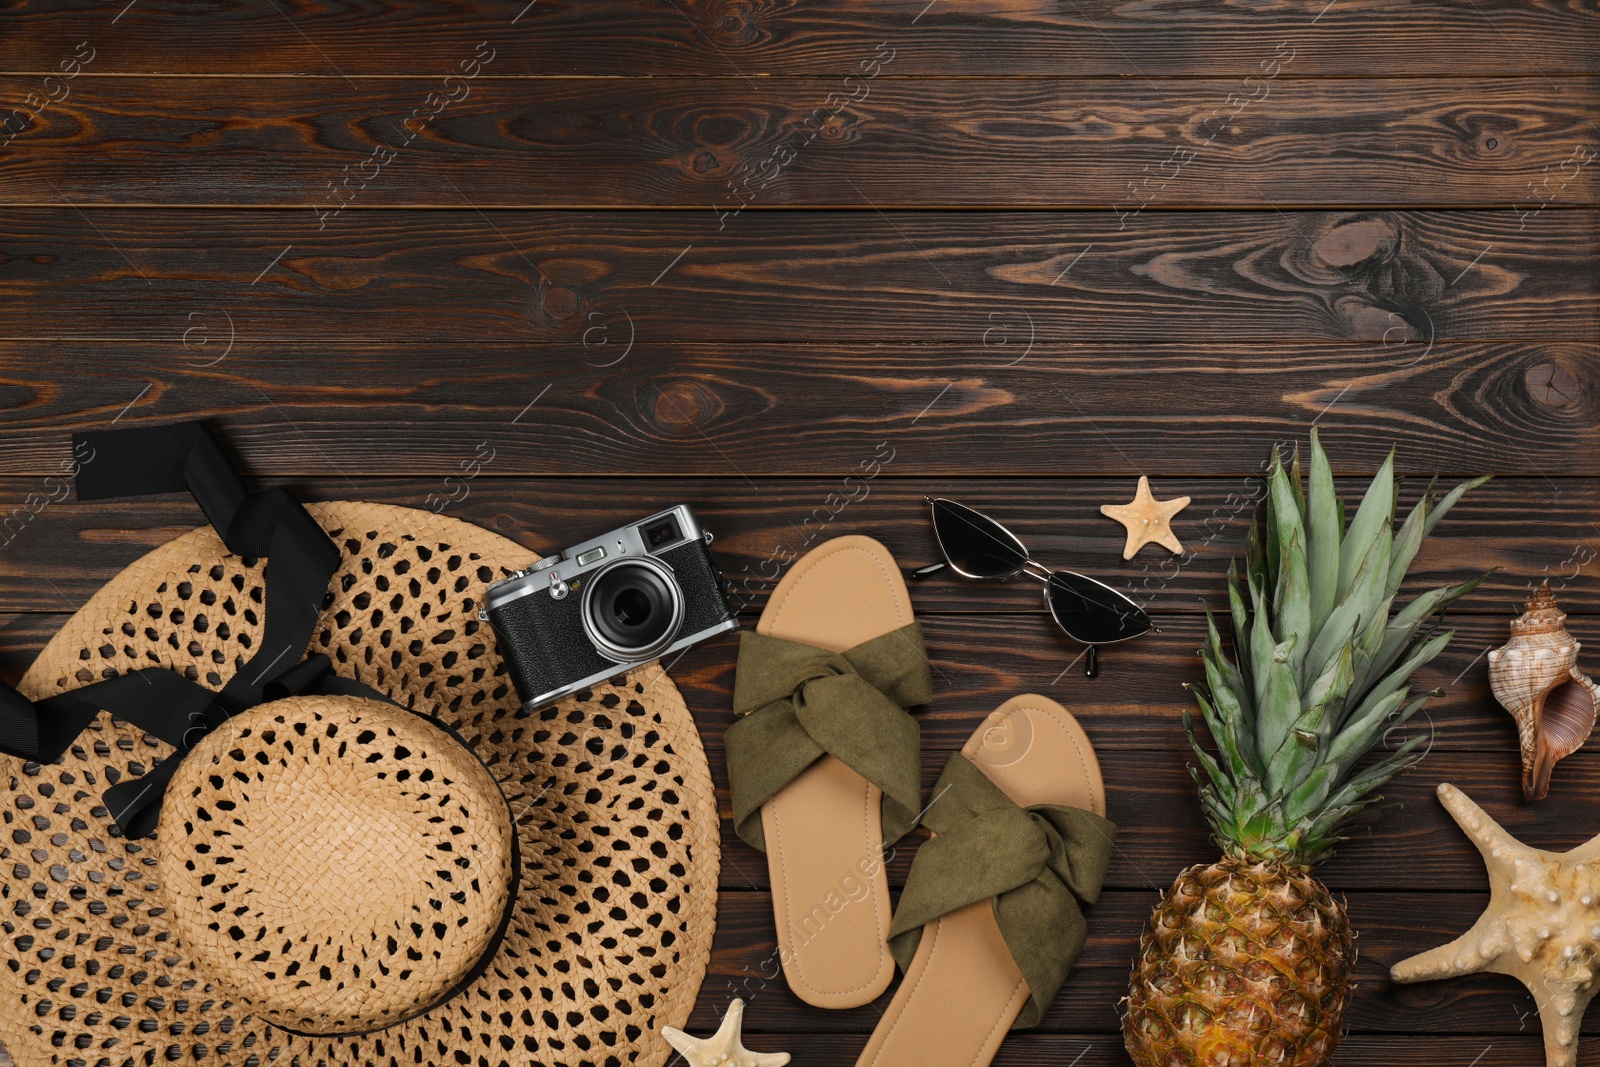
[[610, 795], [337, 864]]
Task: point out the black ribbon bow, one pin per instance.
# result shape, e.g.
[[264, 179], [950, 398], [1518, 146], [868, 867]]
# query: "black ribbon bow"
[[301, 560]]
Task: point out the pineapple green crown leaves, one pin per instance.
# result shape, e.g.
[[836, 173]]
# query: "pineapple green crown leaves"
[[1320, 667]]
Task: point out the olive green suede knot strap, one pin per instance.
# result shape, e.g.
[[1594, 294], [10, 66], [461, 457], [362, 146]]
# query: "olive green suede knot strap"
[[1039, 865], [800, 702]]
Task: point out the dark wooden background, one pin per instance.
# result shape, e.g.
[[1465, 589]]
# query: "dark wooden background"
[[728, 251]]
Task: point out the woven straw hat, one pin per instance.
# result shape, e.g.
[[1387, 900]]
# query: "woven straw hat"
[[443, 878]]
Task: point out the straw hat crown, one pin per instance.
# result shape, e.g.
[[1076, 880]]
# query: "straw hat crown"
[[339, 864]]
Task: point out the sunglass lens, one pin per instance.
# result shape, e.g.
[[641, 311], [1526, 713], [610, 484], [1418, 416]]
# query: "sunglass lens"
[[1092, 613], [975, 544]]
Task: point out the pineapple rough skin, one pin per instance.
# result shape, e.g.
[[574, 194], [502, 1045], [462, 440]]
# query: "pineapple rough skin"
[[1243, 962]]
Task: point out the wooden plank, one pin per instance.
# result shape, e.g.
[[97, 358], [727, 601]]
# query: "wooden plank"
[[1391, 926], [1150, 793], [717, 143], [1151, 796], [1027, 1049], [1031, 1048], [1137, 702], [962, 407], [54, 547], [827, 37], [1269, 278]]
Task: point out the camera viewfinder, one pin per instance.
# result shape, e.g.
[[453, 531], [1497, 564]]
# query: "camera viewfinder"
[[661, 533]]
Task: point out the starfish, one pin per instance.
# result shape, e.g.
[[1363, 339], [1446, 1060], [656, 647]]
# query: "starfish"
[[724, 1048], [1542, 926], [1147, 519]]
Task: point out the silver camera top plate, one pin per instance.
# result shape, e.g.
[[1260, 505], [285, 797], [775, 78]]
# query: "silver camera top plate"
[[554, 574]]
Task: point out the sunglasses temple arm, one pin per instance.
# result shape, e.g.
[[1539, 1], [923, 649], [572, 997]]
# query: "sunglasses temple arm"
[[925, 572]]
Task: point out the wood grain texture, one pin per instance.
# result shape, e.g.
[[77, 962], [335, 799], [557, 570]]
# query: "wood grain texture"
[[628, 38], [1391, 926], [1031, 1048], [1143, 756], [1151, 797], [55, 551], [1024, 252], [876, 138], [1137, 702], [1150, 794], [758, 411], [1266, 278]]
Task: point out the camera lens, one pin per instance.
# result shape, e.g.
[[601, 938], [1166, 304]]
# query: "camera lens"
[[632, 609]]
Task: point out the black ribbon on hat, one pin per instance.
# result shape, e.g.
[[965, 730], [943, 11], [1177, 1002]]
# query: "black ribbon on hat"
[[301, 560]]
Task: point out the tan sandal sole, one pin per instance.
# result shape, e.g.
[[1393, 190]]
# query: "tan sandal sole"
[[963, 991], [824, 831]]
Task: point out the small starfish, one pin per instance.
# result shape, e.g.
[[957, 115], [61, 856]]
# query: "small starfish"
[[1147, 519], [1542, 926], [724, 1048]]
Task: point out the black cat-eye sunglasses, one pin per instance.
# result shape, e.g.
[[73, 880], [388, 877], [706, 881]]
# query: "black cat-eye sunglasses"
[[975, 546]]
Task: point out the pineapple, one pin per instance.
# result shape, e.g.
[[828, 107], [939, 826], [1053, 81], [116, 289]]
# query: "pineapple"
[[1247, 961]]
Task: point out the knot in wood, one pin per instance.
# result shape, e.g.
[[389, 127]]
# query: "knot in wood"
[[1357, 241], [735, 23], [682, 405], [558, 303], [1552, 385]]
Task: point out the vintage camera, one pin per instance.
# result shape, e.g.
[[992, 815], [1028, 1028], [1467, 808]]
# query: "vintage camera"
[[595, 610]]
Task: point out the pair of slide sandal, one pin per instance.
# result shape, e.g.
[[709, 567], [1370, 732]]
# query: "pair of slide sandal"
[[824, 768]]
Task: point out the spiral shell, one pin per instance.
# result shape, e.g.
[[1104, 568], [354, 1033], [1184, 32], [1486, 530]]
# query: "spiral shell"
[[1535, 677]]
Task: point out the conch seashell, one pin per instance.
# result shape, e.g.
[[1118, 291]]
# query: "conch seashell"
[[1535, 677]]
